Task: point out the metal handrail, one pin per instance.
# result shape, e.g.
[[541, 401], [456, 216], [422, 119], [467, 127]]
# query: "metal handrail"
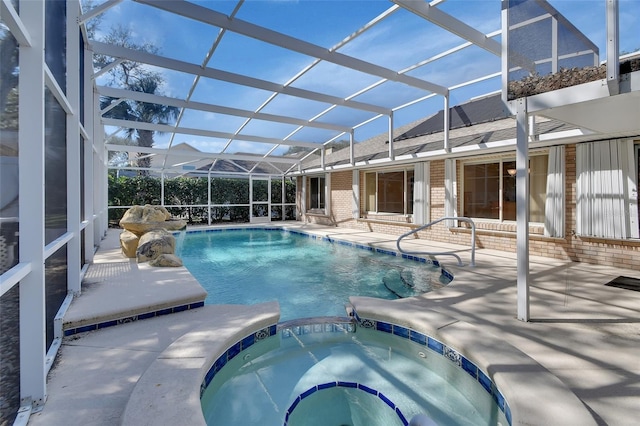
[[462, 219]]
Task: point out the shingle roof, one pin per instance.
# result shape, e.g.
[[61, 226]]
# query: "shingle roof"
[[476, 123], [471, 113]]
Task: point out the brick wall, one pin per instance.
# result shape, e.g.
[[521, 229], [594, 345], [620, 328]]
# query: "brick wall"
[[491, 235]]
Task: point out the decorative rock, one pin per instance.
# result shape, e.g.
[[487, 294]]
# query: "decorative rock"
[[141, 219], [129, 243], [166, 260], [154, 243]]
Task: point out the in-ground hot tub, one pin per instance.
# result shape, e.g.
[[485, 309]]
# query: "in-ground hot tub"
[[169, 391], [332, 371]]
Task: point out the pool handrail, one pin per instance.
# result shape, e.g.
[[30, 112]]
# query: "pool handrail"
[[462, 219]]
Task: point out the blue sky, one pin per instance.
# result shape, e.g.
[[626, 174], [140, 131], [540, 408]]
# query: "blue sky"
[[401, 41]]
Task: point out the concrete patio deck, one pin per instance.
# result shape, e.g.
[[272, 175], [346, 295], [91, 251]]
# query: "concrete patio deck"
[[585, 333]]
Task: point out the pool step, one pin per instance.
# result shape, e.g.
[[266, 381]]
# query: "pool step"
[[399, 283]]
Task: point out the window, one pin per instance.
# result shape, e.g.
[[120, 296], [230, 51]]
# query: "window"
[[490, 189], [389, 192], [316, 193]]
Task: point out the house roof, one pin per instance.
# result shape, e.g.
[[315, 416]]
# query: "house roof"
[[479, 123], [490, 108]]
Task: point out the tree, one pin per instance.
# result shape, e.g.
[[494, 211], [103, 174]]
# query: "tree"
[[134, 76]]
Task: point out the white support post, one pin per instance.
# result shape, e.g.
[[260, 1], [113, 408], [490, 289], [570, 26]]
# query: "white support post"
[[391, 154], [283, 196], [209, 197], [352, 152], [323, 152], [522, 208], [446, 124], [73, 149], [104, 170], [100, 197], [162, 188], [303, 198], [89, 208], [613, 47], [31, 136]]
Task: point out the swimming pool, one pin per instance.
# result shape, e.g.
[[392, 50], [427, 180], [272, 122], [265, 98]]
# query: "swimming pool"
[[309, 276], [323, 372]]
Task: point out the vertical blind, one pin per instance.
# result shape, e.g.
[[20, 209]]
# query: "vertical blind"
[[605, 184]]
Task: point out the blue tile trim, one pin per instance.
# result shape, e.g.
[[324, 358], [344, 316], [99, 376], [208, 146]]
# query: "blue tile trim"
[[331, 240], [418, 338], [435, 346], [383, 251], [484, 380], [349, 385], [233, 351], [401, 331], [440, 348], [384, 326], [111, 323], [470, 368]]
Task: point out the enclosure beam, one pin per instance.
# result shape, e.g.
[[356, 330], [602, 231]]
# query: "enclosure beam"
[[211, 17], [217, 109], [127, 124], [229, 77], [522, 208], [199, 155], [451, 24]]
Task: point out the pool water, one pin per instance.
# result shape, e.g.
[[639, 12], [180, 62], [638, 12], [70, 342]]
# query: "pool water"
[[306, 375], [307, 276]]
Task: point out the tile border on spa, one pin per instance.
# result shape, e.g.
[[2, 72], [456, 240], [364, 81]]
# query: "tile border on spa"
[[291, 328], [233, 351], [444, 350], [347, 385]]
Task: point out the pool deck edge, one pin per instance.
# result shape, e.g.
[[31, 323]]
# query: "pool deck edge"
[[168, 392]]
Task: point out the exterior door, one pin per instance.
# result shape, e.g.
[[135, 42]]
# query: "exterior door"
[[260, 196]]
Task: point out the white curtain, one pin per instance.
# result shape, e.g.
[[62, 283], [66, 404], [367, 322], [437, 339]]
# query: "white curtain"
[[327, 194], [421, 192], [554, 210], [355, 210], [605, 184], [450, 190]]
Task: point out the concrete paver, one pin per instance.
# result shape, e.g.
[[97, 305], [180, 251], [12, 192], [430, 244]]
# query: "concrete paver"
[[585, 333]]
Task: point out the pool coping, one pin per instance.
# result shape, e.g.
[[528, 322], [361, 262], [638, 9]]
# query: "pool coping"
[[169, 391], [452, 332], [510, 369], [128, 291]]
